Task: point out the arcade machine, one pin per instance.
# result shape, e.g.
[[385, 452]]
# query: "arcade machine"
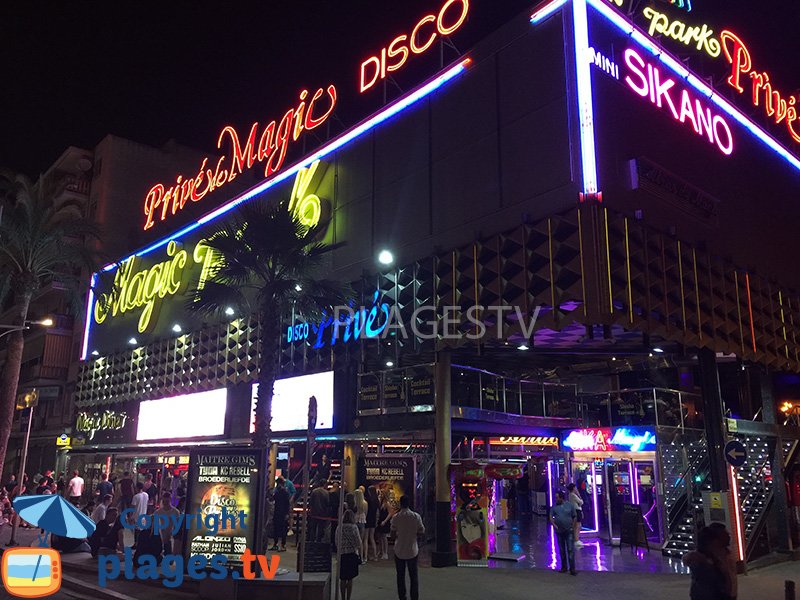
[[476, 507]]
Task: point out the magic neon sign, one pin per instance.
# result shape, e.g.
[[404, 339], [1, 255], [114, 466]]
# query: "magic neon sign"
[[624, 439], [267, 145], [649, 81], [421, 37]]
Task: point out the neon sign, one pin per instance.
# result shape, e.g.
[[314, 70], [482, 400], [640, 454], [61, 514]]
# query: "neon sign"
[[525, 441], [269, 147], [679, 31], [627, 439], [306, 206], [776, 106], [354, 324], [91, 423], [648, 81], [602, 62], [395, 55]]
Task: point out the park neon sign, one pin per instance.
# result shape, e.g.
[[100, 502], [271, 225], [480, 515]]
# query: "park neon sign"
[[620, 439], [649, 81], [421, 37], [267, 145]]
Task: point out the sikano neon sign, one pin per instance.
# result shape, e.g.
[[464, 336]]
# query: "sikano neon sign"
[[268, 146], [625, 439], [663, 91], [391, 58], [780, 108]]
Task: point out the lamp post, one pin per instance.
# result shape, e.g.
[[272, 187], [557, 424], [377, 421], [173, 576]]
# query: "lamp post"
[[29, 401]]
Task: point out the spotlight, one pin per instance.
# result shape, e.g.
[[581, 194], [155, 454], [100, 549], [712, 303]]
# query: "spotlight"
[[385, 257], [523, 347], [95, 353], [176, 328], [389, 363], [132, 341], [659, 350], [229, 311], [298, 288]]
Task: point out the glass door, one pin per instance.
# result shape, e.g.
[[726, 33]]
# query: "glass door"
[[621, 490], [646, 496]]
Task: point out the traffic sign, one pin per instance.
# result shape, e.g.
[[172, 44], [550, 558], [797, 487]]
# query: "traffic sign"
[[735, 453]]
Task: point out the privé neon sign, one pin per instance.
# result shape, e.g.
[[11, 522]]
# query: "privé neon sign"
[[780, 108], [269, 148], [632, 439], [422, 36], [648, 81]]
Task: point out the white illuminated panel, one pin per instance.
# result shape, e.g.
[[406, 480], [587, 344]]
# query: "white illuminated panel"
[[290, 402], [188, 416]]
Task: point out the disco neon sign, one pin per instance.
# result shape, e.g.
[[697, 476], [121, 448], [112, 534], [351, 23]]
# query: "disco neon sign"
[[620, 439], [649, 81]]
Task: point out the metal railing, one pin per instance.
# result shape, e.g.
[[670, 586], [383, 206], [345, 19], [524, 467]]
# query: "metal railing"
[[662, 407]]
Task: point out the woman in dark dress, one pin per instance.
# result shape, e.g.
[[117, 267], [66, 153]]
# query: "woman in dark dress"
[[280, 515], [373, 506], [385, 514]]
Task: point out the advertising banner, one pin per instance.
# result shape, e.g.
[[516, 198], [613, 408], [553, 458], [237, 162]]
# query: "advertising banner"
[[395, 475], [223, 484], [110, 424]]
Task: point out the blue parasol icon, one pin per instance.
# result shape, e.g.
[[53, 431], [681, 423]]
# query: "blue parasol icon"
[[55, 515]]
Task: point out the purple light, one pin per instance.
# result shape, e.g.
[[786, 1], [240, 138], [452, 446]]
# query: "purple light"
[[583, 72]]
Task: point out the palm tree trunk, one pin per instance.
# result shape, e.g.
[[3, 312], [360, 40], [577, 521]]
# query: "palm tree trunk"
[[267, 373], [9, 378]]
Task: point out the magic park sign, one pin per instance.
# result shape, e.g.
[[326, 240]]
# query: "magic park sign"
[[267, 145]]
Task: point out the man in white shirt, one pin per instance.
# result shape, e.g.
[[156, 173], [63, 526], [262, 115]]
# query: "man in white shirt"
[[406, 526], [75, 488], [139, 505], [99, 513]]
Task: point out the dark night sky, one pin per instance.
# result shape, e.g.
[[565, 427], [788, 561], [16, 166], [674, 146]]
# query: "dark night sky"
[[150, 71]]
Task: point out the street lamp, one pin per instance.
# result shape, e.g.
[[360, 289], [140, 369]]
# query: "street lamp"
[[385, 257], [6, 329]]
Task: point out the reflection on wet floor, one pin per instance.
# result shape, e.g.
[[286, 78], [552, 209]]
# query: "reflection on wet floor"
[[535, 539]]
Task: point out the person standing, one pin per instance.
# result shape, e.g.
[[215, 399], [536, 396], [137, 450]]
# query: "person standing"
[[280, 515], [151, 489], [563, 516], [75, 488], [126, 490], [139, 505], [172, 514], [576, 500], [360, 510], [350, 546], [105, 487], [12, 483], [373, 505], [319, 509], [99, 513], [385, 514], [407, 526]]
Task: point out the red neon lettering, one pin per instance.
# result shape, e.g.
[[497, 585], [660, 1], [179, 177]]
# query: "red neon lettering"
[[413, 41], [271, 149], [779, 108], [394, 56], [600, 442]]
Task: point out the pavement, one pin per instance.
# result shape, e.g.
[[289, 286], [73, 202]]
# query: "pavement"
[[376, 581]]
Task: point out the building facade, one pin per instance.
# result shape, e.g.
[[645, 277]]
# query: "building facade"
[[589, 246]]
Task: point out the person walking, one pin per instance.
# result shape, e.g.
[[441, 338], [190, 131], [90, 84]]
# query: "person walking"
[[75, 488], [407, 527], [280, 515], [373, 506], [104, 487], [563, 516], [151, 489], [350, 546], [360, 511], [576, 501], [713, 571], [139, 505]]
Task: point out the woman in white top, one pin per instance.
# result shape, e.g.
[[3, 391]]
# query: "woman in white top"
[[576, 501], [360, 510]]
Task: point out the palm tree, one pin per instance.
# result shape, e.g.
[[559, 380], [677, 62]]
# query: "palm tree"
[[41, 242], [267, 263]]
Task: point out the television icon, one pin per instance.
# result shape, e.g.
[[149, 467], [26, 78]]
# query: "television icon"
[[31, 572]]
